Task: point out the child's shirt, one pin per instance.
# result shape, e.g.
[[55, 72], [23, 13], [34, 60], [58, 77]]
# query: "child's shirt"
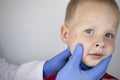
[[105, 77]]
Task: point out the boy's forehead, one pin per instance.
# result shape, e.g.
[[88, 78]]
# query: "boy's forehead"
[[94, 4], [97, 9], [85, 7], [103, 12]]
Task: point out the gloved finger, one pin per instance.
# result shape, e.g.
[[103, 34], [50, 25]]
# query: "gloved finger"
[[56, 63], [100, 68], [77, 55], [64, 55]]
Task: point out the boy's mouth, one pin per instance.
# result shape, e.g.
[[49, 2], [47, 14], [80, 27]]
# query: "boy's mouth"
[[96, 55]]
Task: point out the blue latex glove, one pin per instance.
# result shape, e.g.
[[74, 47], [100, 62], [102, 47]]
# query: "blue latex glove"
[[73, 71], [56, 63]]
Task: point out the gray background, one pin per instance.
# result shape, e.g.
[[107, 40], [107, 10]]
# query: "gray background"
[[30, 29]]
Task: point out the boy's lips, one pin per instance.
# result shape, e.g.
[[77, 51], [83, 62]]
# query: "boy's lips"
[[96, 55]]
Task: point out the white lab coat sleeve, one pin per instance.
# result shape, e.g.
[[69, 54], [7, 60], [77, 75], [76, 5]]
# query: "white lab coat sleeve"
[[27, 71]]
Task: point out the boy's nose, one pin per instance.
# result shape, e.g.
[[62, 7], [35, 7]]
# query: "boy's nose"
[[100, 43]]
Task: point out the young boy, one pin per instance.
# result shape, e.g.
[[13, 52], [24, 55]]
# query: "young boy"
[[94, 24]]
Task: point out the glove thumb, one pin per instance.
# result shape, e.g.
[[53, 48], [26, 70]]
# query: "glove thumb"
[[77, 55]]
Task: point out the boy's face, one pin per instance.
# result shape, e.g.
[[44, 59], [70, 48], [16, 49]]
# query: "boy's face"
[[95, 29]]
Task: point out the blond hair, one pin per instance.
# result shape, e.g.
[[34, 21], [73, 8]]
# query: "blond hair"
[[71, 11]]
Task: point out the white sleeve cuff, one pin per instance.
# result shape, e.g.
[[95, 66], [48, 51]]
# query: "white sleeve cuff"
[[30, 71]]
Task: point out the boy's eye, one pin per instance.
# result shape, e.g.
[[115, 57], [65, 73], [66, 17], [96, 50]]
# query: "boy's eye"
[[89, 31], [109, 35]]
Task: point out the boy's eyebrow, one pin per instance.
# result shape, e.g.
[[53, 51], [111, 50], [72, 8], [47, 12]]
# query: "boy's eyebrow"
[[113, 31]]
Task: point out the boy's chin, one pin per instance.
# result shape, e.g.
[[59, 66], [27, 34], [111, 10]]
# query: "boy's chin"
[[91, 64]]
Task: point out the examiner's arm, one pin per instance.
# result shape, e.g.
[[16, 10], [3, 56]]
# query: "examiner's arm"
[[35, 70], [27, 71]]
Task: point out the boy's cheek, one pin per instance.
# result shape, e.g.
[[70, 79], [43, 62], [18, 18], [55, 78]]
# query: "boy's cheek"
[[110, 47], [72, 47], [76, 39], [111, 50]]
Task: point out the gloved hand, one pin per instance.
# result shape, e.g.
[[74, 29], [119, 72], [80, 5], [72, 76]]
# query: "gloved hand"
[[73, 71], [56, 63]]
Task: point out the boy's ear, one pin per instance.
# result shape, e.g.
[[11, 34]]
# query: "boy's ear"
[[64, 33]]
